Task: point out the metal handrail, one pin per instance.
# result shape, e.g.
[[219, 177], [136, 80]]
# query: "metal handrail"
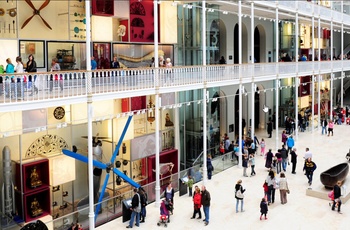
[[200, 155]]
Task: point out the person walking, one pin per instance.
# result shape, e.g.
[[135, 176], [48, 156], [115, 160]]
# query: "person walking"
[[283, 187], [31, 68], [269, 128], [143, 196], [263, 208], [284, 137], [252, 164], [239, 195], [169, 194], [136, 209], [284, 154], [197, 203], [262, 146], [206, 204], [271, 182], [330, 127], [290, 143], [337, 195], [245, 161], [269, 156], [324, 124], [309, 168], [210, 167], [294, 157], [190, 185]]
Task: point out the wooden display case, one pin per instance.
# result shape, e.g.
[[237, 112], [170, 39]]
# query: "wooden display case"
[[103, 7], [42, 197], [42, 169]]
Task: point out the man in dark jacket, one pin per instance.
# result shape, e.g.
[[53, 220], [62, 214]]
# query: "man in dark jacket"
[[284, 154], [269, 128], [206, 204], [309, 168], [143, 196], [136, 209], [294, 156], [337, 194]]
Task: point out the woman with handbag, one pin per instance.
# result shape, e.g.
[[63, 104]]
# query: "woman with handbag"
[[284, 189], [239, 195]]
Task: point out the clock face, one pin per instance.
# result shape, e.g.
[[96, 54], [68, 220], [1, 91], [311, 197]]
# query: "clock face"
[[59, 113]]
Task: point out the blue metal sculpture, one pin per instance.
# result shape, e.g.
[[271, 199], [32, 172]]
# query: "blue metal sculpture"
[[107, 166]]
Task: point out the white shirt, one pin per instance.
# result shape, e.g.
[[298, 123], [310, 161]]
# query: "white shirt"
[[19, 68], [307, 155]]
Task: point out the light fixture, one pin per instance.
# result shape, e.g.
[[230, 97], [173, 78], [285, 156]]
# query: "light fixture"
[[188, 103], [151, 111], [265, 109], [225, 12], [118, 115], [198, 102], [138, 112], [143, 111]]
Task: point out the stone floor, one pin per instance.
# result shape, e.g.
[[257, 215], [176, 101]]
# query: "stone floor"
[[301, 211]]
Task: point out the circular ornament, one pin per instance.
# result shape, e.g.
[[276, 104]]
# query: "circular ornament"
[[59, 113]]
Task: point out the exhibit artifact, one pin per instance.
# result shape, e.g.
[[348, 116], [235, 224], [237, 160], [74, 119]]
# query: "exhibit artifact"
[[337, 173], [8, 191], [36, 210], [34, 178]]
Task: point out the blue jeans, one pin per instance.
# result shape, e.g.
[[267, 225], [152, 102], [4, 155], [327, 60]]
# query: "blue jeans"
[[206, 213], [309, 176], [284, 163], [132, 218], [242, 203], [278, 166], [324, 129]]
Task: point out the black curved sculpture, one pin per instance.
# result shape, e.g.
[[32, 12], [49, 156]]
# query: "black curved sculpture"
[[337, 173]]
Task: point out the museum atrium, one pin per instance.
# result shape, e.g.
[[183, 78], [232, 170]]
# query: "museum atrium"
[[234, 64]]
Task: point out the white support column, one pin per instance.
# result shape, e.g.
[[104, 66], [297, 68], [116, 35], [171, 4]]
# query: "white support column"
[[277, 91], [319, 76], [252, 101], [276, 35], [252, 29], [342, 54], [240, 125], [319, 103], [89, 116], [277, 72], [313, 76], [253, 86], [157, 102], [205, 95], [240, 32], [240, 130], [331, 97], [297, 77]]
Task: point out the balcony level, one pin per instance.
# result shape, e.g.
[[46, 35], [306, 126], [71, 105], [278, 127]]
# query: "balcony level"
[[116, 84]]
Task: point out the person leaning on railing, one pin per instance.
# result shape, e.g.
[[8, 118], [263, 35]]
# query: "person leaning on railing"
[[55, 77], [9, 80], [31, 68]]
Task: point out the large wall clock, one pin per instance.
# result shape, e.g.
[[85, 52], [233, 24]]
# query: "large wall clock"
[[59, 113]]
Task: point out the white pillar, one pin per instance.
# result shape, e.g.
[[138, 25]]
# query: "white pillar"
[[313, 76], [157, 102], [297, 70], [240, 126], [89, 116], [277, 90], [342, 54], [253, 86], [204, 18]]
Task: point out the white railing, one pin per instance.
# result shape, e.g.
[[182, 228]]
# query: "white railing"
[[73, 84]]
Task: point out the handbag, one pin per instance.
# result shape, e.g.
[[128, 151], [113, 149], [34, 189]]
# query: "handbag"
[[288, 191], [239, 194]]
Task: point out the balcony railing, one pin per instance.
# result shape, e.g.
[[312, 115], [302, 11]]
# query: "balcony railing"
[[60, 85]]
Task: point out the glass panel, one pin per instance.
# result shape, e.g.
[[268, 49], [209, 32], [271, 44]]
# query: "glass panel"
[[36, 48], [70, 55], [134, 56]]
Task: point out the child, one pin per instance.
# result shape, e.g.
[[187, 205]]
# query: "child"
[[252, 164], [266, 189], [262, 146], [190, 185], [263, 208]]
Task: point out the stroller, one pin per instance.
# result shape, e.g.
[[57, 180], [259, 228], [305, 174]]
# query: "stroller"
[[165, 209]]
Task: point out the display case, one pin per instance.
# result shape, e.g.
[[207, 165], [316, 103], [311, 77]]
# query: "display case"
[[66, 58], [36, 205], [35, 176], [103, 7]]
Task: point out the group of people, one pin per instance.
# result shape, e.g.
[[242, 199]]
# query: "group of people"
[[15, 85], [201, 198], [138, 207]]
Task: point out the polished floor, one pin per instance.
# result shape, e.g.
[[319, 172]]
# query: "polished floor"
[[301, 211]]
